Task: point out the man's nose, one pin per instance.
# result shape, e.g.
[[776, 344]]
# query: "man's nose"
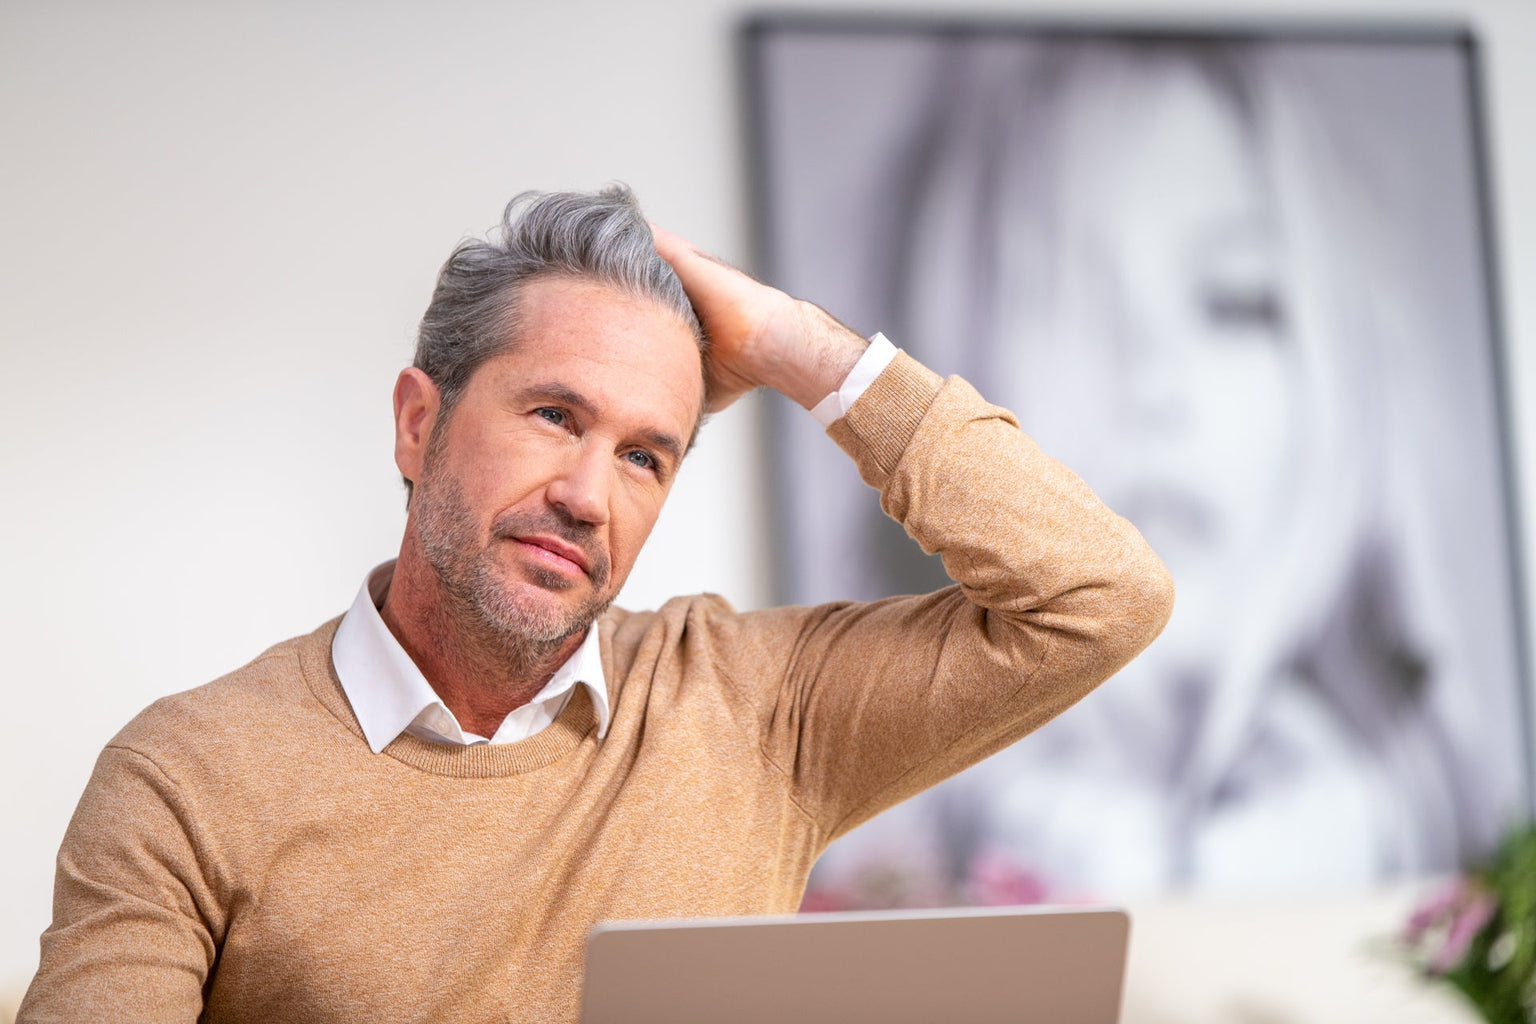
[[580, 487]]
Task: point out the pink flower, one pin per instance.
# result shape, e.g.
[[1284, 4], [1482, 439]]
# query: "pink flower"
[[1448, 923], [1469, 920], [995, 880], [1435, 911], [822, 900]]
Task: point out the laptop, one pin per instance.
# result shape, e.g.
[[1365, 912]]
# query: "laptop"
[[1052, 965]]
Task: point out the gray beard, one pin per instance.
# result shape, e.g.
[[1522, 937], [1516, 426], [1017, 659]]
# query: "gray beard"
[[468, 579]]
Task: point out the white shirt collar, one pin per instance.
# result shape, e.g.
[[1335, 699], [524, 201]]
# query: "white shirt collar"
[[389, 695]]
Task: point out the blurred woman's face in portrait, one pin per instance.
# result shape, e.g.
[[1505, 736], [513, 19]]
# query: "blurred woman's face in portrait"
[[1170, 312]]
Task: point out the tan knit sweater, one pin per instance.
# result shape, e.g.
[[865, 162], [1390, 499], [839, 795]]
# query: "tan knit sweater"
[[240, 854]]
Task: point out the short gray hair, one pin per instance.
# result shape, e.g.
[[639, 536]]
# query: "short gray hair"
[[600, 236]]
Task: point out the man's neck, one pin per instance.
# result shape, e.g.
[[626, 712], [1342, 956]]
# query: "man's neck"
[[480, 675]]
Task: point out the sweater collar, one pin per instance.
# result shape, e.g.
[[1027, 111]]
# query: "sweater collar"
[[390, 696]]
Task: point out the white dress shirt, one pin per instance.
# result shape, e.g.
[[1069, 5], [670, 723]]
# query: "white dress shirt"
[[390, 696]]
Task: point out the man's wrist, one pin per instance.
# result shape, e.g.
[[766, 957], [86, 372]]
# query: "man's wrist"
[[807, 353], [869, 366]]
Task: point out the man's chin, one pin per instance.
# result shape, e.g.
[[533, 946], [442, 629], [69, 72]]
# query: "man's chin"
[[534, 614]]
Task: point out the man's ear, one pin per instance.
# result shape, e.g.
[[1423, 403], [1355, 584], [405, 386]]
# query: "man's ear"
[[417, 402]]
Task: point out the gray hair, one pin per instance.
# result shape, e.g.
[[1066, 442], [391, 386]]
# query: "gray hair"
[[598, 235], [474, 315]]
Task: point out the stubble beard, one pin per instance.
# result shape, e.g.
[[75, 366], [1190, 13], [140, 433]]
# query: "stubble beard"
[[470, 579]]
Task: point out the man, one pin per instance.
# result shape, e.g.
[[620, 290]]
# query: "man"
[[325, 835]]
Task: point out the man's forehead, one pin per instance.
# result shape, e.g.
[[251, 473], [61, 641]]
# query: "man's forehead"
[[562, 318], [561, 292], [619, 353]]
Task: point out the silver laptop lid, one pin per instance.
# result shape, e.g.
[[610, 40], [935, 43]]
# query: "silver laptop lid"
[[1052, 965]]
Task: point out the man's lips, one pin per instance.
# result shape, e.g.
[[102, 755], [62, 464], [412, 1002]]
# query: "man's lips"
[[556, 546]]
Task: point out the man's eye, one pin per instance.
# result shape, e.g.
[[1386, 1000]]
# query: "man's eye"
[[552, 415], [641, 459]]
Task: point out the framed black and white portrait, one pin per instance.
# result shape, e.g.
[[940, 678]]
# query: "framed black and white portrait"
[[1240, 282]]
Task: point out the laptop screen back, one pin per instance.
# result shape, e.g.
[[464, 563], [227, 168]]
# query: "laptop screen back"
[[963, 966]]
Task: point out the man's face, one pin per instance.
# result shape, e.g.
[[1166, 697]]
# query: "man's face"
[[536, 495]]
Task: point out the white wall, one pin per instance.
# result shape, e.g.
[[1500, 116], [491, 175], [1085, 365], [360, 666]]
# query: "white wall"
[[218, 226]]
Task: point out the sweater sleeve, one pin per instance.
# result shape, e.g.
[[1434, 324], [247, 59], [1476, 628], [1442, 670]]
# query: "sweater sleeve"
[[864, 705], [132, 937]]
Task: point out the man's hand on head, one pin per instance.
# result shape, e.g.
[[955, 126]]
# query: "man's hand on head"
[[758, 335]]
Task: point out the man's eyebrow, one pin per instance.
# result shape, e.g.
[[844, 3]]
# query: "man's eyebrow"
[[561, 393], [665, 443], [565, 395]]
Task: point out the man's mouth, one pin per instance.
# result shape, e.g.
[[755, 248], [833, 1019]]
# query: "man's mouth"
[[556, 552], [564, 550]]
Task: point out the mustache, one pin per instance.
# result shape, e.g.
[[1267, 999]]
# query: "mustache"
[[521, 522]]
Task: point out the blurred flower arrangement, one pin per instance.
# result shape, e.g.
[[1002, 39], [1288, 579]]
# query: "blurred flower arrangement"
[[1479, 935], [990, 879]]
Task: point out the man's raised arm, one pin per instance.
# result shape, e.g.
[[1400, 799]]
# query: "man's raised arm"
[[863, 705]]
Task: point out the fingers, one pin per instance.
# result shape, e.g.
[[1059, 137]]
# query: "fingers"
[[670, 246], [705, 278], [686, 258]]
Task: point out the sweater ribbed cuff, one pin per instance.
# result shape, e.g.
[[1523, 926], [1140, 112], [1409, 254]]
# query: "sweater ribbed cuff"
[[877, 429]]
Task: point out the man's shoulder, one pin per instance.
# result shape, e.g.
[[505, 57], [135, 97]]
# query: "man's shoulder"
[[677, 615], [702, 621], [274, 692], [675, 609]]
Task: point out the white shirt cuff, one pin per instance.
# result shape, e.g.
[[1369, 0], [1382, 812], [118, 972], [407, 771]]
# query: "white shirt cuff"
[[874, 360]]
